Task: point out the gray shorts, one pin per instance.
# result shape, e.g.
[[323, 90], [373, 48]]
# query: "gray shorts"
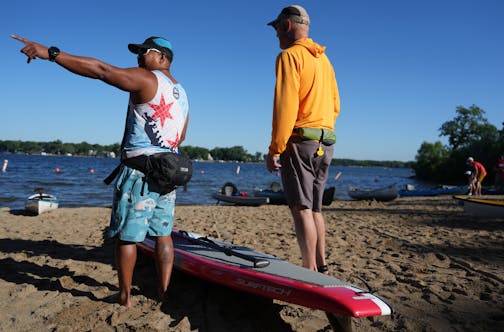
[[304, 173]]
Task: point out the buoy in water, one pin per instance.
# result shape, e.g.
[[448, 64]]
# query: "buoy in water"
[[57, 170], [91, 171], [4, 167]]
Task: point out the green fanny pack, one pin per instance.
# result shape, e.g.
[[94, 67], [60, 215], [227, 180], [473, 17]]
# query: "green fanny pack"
[[325, 136]]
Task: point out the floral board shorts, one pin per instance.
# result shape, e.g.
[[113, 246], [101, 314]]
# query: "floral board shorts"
[[137, 211]]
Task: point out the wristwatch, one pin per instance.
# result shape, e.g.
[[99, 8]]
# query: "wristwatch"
[[53, 53]]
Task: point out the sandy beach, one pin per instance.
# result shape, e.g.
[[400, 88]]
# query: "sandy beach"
[[440, 269]]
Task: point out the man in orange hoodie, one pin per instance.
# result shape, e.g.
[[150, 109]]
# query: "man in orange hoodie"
[[306, 105]]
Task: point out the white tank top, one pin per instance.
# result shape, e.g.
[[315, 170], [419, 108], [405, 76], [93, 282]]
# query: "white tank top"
[[156, 126]]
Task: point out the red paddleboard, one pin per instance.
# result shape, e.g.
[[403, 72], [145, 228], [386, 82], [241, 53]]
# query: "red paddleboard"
[[258, 273]]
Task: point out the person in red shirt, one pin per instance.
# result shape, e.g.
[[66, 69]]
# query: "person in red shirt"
[[479, 173]]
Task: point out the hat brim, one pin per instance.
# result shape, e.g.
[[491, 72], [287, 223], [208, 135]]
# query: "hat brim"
[[134, 48], [274, 22]]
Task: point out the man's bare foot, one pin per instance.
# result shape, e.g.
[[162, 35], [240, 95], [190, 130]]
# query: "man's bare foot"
[[125, 300]]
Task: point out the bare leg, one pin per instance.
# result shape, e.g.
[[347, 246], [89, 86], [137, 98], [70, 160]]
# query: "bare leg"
[[164, 263], [472, 187], [125, 256], [306, 233], [478, 188], [321, 230]]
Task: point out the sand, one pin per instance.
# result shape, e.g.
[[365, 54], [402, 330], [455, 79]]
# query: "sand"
[[440, 269]]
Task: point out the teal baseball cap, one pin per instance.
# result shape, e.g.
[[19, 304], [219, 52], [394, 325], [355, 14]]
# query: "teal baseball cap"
[[158, 43]]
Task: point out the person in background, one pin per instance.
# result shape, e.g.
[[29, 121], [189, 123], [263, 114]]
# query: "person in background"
[[470, 181], [306, 96], [499, 174], [478, 173], [156, 122]]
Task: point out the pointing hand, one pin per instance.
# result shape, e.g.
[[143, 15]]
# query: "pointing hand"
[[32, 50]]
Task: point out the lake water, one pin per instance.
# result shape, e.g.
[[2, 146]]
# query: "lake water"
[[80, 179]]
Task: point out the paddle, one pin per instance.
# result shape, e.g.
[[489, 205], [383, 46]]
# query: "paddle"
[[205, 241]]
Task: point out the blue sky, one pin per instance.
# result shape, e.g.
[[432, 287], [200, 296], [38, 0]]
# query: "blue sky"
[[402, 67]]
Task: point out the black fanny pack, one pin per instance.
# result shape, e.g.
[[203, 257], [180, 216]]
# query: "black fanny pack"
[[166, 170]]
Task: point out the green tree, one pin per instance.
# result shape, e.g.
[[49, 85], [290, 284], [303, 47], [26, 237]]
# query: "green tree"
[[54, 147], [83, 148], [217, 153], [31, 147], [469, 134], [194, 152], [68, 148], [467, 127], [429, 160], [236, 153], [10, 146]]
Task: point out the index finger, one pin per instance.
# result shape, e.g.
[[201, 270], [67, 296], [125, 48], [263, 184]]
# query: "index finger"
[[21, 39]]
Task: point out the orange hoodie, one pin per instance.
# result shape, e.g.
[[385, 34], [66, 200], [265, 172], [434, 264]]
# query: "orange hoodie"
[[306, 92]]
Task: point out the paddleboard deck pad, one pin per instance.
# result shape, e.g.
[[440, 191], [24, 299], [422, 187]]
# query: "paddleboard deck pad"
[[264, 275]]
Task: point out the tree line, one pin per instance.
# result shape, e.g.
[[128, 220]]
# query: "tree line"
[[57, 147], [235, 153], [469, 134]]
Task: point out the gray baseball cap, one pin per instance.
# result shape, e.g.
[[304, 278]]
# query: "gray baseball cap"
[[295, 13]]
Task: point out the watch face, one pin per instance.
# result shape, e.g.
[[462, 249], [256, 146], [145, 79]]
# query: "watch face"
[[53, 53]]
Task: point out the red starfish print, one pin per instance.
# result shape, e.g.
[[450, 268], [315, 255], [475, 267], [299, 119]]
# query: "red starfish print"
[[174, 143], [162, 111]]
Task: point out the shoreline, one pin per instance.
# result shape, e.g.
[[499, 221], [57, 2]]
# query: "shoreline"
[[440, 269]]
